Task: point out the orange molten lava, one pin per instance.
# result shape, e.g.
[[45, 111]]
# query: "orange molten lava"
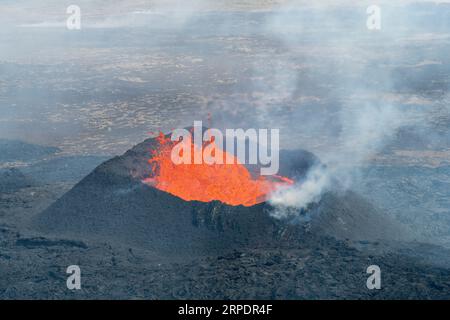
[[229, 183]]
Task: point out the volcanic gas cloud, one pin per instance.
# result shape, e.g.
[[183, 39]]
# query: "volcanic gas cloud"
[[229, 183]]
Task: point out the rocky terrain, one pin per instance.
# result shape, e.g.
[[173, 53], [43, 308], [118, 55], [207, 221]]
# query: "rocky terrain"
[[156, 246], [316, 268], [14, 150], [73, 103]]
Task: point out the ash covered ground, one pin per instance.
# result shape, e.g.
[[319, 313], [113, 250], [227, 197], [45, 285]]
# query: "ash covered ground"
[[76, 109], [135, 242]]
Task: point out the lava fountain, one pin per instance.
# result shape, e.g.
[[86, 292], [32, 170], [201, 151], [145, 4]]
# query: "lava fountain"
[[232, 184]]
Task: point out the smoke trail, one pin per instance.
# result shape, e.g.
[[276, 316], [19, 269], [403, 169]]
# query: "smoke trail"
[[365, 131], [363, 119]]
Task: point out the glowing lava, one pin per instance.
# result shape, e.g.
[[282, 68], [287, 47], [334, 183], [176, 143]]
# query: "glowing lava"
[[229, 183]]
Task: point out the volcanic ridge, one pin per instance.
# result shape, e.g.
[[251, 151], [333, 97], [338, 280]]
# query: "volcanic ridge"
[[113, 203]]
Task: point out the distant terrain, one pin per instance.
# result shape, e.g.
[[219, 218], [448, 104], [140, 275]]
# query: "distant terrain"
[[323, 259], [13, 150], [79, 110]]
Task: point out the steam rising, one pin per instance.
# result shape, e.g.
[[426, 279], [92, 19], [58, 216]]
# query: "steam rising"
[[310, 69], [365, 132]]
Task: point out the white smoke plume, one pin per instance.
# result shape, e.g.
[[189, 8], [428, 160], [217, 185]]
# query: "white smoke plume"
[[365, 131], [287, 200], [364, 120]]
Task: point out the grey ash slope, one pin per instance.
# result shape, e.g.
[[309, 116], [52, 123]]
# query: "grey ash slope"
[[15, 150], [222, 252], [112, 204], [12, 179]]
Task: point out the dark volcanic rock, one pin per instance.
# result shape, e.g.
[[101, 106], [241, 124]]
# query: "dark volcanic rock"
[[113, 204], [62, 169], [12, 179], [13, 150], [350, 216], [122, 209]]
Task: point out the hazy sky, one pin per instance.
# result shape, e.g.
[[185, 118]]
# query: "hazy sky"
[[29, 11]]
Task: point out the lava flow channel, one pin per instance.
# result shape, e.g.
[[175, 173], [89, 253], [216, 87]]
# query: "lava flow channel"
[[229, 183]]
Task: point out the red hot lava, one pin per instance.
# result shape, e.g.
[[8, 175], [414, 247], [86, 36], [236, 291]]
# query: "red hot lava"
[[229, 183]]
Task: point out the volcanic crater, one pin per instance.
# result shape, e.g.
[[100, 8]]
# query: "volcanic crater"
[[113, 203]]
